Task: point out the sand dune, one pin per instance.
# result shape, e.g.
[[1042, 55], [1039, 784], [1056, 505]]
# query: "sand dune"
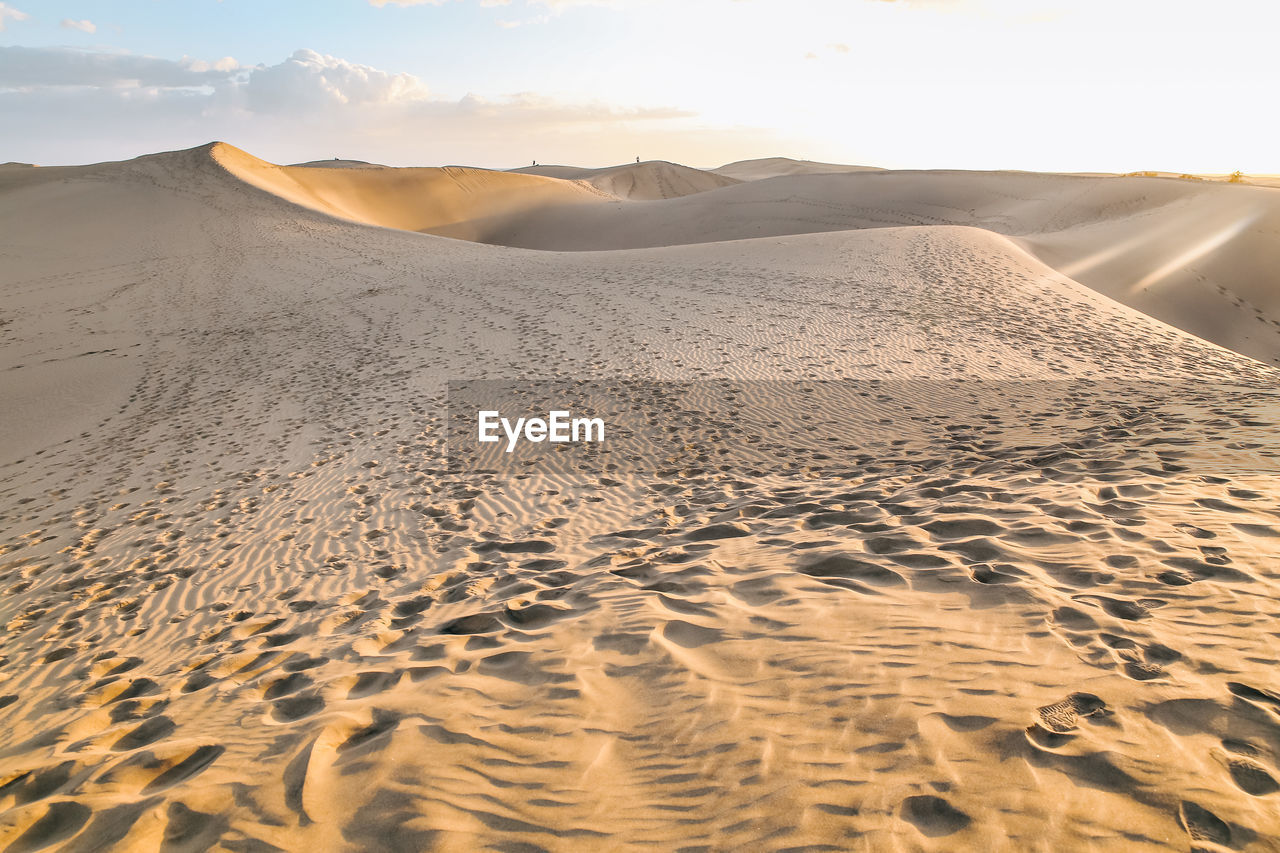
[[247, 606], [649, 181], [336, 163], [441, 200], [1199, 256], [773, 167], [1246, 180]]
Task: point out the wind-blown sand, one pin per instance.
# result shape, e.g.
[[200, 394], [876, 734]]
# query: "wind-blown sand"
[[246, 607]]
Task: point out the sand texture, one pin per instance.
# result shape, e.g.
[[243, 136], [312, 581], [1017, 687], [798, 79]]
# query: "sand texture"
[[246, 606]]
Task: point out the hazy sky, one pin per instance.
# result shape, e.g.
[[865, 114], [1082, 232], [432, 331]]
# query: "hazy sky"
[[1108, 85]]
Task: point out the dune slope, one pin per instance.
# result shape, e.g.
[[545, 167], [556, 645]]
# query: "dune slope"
[[1199, 256], [649, 181], [773, 167], [440, 200]]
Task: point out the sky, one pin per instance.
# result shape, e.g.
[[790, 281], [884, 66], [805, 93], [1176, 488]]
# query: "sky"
[[1049, 85]]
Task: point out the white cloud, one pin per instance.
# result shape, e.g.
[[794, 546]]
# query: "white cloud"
[[226, 63], [71, 105], [7, 12], [84, 25], [45, 67], [309, 80], [306, 81]]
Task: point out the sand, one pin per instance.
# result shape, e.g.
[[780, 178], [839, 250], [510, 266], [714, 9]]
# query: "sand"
[[772, 167], [439, 200], [247, 607], [647, 181]]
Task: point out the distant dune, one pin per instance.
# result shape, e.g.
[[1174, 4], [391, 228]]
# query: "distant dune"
[[1242, 179], [773, 167], [655, 179], [341, 164], [1200, 256]]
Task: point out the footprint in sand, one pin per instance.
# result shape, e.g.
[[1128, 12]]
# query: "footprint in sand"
[[1246, 770], [60, 822], [188, 768], [716, 531], [293, 708], [690, 636], [476, 623], [934, 816], [149, 732], [1203, 825], [841, 567], [1064, 716]]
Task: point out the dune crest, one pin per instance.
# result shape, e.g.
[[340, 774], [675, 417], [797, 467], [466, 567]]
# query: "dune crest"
[[441, 200], [774, 167], [649, 181], [1199, 256], [337, 163]]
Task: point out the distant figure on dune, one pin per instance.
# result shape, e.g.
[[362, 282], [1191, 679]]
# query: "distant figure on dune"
[[535, 162], [637, 159]]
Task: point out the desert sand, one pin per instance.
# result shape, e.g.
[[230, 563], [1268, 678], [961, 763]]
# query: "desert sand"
[[640, 181], [772, 167], [246, 605]]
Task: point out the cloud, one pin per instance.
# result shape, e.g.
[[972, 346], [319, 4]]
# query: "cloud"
[[306, 83], [73, 105], [84, 25], [10, 13], [45, 67], [308, 80]]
